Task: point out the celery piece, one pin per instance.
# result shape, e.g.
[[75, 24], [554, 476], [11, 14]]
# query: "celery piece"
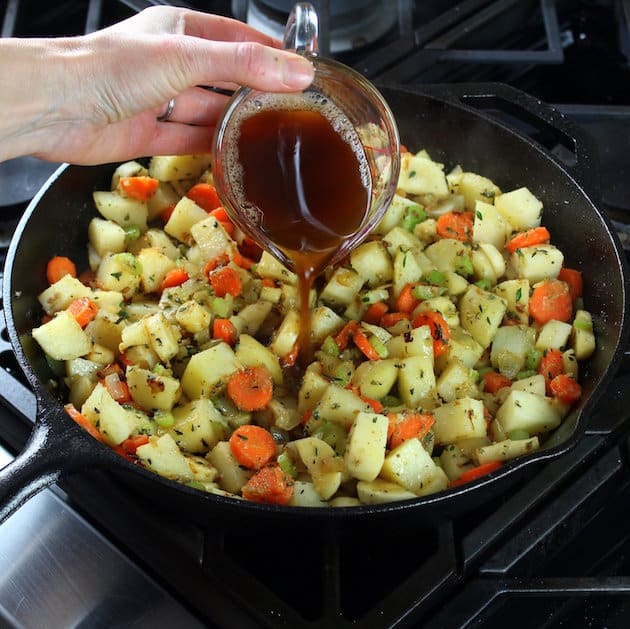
[[164, 419], [378, 346], [436, 278], [532, 359], [526, 373], [132, 232], [333, 434], [330, 347], [221, 307], [286, 465], [464, 266], [484, 283], [414, 215], [518, 435]]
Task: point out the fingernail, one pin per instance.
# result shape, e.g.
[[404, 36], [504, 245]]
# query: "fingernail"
[[297, 72]]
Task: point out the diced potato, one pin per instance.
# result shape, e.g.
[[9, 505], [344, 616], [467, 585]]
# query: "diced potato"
[[456, 381], [119, 272], [365, 450], [152, 391], [155, 265], [193, 317], [207, 372], [400, 239], [533, 384], [510, 347], [461, 347], [481, 314], [342, 287], [164, 197], [101, 355], [184, 216], [412, 467], [339, 405], [162, 456], [114, 421], [381, 491], [489, 225], [109, 300], [488, 262], [582, 337], [443, 305], [231, 474], [318, 458], [475, 188], [505, 450], [106, 236], [460, 419], [454, 461], [417, 342], [394, 214], [198, 426], [62, 293], [252, 353], [527, 411], [124, 211], [130, 168], [305, 495], [313, 388], [537, 263], [520, 208], [416, 380], [324, 322], [375, 378], [554, 335], [269, 267], [516, 295], [286, 335], [62, 338], [447, 254], [420, 175], [177, 167], [406, 270], [211, 238], [372, 262], [252, 316], [163, 337], [284, 413], [155, 239], [105, 330]]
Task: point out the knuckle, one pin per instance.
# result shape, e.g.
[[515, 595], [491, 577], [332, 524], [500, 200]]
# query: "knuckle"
[[251, 57]]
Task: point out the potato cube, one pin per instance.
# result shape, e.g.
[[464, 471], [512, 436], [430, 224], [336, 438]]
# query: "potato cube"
[[174, 168], [208, 371], [152, 391], [106, 236], [460, 419], [155, 265], [372, 262], [162, 456], [520, 208], [62, 338], [184, 216], [527, 411], [62, 293], [198, 426], [124, 211], [114, 421], [365, 450]]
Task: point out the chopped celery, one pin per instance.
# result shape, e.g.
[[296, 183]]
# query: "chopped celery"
[[484, 283], [436, 278], [132, 232], [518, 435], [532, 359], [286, 465], [330, 347], [221, 307], [378, 346], [414, 215], [333, 434], [526, 373], [464, 266], [164, 419]]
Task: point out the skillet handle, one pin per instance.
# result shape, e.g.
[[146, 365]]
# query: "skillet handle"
[[569, 143], [54, 448]]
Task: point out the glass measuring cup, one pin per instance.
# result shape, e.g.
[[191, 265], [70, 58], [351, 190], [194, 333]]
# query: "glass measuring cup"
[[363, 109]]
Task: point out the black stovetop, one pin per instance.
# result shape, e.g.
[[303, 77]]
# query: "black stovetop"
[[552, 553]]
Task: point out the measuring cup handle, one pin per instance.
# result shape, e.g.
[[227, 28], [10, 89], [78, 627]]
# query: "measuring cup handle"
[[301, 31]]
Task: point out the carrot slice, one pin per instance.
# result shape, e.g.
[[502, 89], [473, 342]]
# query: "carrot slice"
[[529, 238], [58, 267], [167, 212], [215, 263], [291, 358], [476, 472], [493, 381], [362, 342], [565, 389], [251, 388], [140, 187], [375, 312], [269, 485], [252, 446], [82, 420], [204, 195], [83, 309], [226, 281], [408, 426], [406, 301], [439, 329], [344, 336], [549, 300], [392, 318], [224, 330], [131, 444], [240, 260], [550, 366], [458, 225], [574, 280], [175, 277]]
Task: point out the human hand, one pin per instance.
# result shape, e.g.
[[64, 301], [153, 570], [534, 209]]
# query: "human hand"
[[97, 98]]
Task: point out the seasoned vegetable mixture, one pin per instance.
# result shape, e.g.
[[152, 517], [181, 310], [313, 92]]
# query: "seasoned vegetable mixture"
[[446, 344]]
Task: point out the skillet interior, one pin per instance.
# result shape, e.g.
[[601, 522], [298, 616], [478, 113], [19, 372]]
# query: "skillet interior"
[[57, 220]]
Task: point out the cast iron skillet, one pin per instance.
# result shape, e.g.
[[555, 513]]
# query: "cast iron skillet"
[[450, 123]]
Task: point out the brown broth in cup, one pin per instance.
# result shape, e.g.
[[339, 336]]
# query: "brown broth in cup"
[[305, 183]]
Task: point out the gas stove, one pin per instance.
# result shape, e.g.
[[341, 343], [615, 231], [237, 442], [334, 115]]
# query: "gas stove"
[[555, 552]]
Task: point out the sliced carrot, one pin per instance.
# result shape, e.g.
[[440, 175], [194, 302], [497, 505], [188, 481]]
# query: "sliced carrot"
[[252, 446], [204, 195], [565, 388], [458, 225], [240, 260], [117, 388], [251, 388], [215, 263], [291, 358], [362, 342], [167, 212], [83, 309], [268, 282], [131, 444], [550, 366], [549, 300], [58, 267], [494, 381], [573, 278], [375, 405], [529, 238], [224, 330], [375, 312], [439, 329], [407, 426], [140, 187], [250, 248], [390, 319], [87, 277], [83, 421], [476, 472], [406, 301], [344, 336], [269, 485], [226, 281], [175, 277]]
